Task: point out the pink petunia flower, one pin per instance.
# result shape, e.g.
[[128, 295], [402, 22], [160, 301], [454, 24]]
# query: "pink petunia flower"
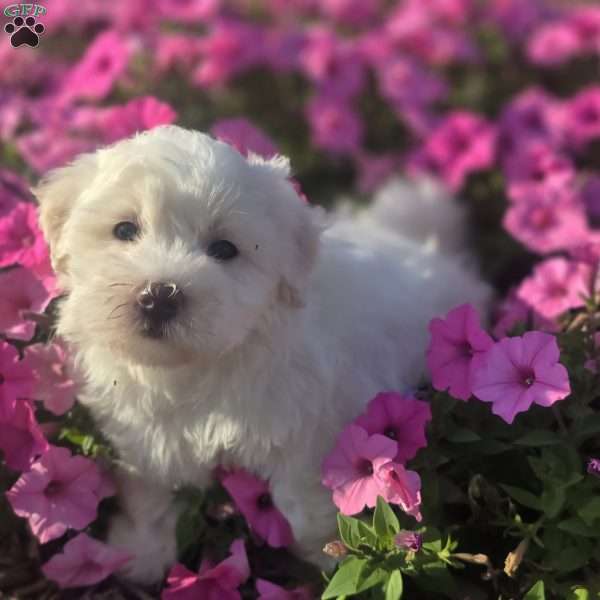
[[21, 240], [401, 418], [462, 144], [253, 498], [455, 350], [58, 493], [244, 136], [137, 115], [399, 486], [22, 295], [16, 378], [83, 562], [409, 540], [553, 44], [520, 371], [538, 170], [549, 222], [102, 65], [583, 116], [53, 385], [349, 470], [189, 11], [21, 438], [214, 582], [335, 126], [556, 286], [270, 591]]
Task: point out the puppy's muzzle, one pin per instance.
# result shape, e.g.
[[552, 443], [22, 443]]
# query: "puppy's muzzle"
[[158, 303]]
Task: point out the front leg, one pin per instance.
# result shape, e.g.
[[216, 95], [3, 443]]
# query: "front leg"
[[145, 527]]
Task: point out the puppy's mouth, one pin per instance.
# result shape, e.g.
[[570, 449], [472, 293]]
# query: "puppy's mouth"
[[153, 330]]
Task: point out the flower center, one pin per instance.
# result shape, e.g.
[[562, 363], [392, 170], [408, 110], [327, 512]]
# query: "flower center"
[[556, 290], [541, 218], [528, 378], [465, 349], [390, 432], [54, 489], [264, 501], [2, 380], [365, 468]]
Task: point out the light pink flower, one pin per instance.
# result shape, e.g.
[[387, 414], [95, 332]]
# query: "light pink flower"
[[103, 63], [21, 240], [553, 44], [520, 371], [399, 486], [556, 286], [189, 11], [334, 125], [21, 438], [22, 295], [409, 540], [54, 385], [462, 144], [244, 136], [270, 591], [58, 493], [84, 561], [16, 378], [456, 346], [401, 418], [547, 222], [349, 469], [253, 498], [213, 582]]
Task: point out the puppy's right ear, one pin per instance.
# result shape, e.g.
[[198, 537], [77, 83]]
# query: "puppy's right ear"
[[57, 193]]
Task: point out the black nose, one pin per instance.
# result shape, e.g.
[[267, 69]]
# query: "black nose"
[[160, 302]]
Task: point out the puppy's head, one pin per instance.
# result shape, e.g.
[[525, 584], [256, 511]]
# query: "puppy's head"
[[171, 245]]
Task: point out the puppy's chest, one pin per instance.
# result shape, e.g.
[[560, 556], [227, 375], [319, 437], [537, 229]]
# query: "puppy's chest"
[[177, 442]]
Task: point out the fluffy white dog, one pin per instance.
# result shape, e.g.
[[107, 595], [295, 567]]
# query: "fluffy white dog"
[[217, 319]]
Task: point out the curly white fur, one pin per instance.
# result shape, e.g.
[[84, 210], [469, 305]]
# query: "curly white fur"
[[274, 351]]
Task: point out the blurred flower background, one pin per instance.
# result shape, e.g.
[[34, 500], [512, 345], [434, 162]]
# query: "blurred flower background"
[[496, 100]]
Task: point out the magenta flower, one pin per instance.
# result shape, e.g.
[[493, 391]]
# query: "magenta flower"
[[401, 418], [455, 350], [16, 378], [556, 286], [553, 44], [583, 116], [84, 561], [53, 384], [545, 223], [244, 136], [270, 591], [21, 240], [213, 582], [399, 486], [334, 125], [520, 371], [138, 114], [103, 63], [349, 469], [58, 493], [538, 170], [462, 144], [21, 438], [22, 295], [409, 540], [593, 467], [13, 190], [253, 498]]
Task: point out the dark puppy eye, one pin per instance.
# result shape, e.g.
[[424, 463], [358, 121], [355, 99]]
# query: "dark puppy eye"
[[222, 250], [126, 231]]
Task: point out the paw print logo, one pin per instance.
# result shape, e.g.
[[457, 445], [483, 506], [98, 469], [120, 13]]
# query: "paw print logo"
[[24, 31]]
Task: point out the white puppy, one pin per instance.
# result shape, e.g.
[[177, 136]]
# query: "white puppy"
[[217, 320]]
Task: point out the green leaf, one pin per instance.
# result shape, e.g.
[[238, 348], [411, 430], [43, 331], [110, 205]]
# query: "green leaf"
[[552, 501], [345, 580], [393, 589], [578, 593], [522, 496], [538, 437], [355, 532], [370, 576], [189, 529], [537, 592], [462, 435], [589, 511], [576, 526], [385, 521]]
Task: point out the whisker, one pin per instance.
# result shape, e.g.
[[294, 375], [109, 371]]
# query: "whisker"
[[120, 284], [116, 308]]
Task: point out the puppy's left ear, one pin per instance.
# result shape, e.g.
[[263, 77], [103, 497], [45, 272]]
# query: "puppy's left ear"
[[306, 224]]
